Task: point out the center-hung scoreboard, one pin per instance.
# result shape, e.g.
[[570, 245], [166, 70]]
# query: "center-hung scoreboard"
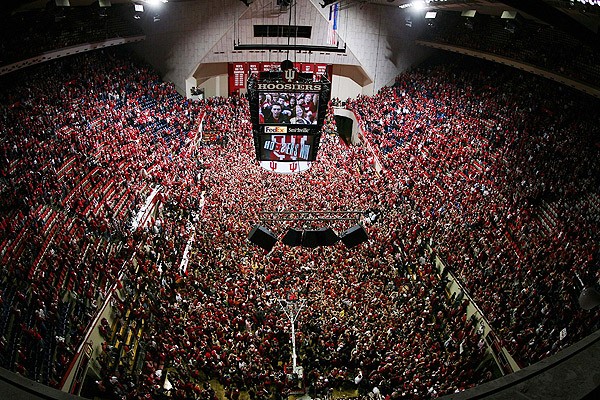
[[287, 111]]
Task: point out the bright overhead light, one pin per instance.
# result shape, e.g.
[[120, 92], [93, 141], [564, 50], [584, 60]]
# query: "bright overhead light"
[[418, 5], [154, 2]]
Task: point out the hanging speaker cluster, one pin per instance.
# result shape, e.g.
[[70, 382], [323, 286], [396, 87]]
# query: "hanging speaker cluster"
[[310, 238], [264, 238]]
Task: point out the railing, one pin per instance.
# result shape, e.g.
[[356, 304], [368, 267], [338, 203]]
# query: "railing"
[[585, 88], [365, 141], [504, 360], [64, 52]]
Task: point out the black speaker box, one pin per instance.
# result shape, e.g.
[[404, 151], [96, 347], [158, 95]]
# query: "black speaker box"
[[320, 237], [292, 237], [327, 237], [354, 236], [262, 237], [310, 239]]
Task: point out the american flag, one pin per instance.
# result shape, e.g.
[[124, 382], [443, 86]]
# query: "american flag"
[[333, 24]]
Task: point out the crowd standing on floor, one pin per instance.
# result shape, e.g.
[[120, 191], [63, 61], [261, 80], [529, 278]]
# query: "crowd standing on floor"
[[467, 167]]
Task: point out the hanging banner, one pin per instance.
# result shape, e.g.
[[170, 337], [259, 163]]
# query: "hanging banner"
[[308, 68], [253, 68], [320, 69], [270, 66], [239, 76]]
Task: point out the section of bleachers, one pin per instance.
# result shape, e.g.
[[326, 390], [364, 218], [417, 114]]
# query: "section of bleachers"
[[33, 32], [525, 40], [503, 185], [486, 176], [74, 183]]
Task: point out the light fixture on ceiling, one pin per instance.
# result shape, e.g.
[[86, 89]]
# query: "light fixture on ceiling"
[[508, 15], [418, 5], [138, 10], [154, 2]]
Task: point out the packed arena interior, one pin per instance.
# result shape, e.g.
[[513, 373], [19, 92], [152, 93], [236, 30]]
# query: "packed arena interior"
[[483, 171]]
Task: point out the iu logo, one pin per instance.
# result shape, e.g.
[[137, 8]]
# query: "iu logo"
[[289, 75]]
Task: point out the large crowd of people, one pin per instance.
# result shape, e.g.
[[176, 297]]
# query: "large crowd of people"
[[478, 164], [79, 154], [33, 32], [467, 168], [531, 42], [361, 316]]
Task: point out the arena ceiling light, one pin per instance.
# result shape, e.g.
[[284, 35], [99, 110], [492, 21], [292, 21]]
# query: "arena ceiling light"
[[508, 15], [418, 5], [154, 2]]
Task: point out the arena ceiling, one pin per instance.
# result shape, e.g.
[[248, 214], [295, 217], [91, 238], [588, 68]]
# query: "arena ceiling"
[[481, 6], [581, 21], [585, 14]]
